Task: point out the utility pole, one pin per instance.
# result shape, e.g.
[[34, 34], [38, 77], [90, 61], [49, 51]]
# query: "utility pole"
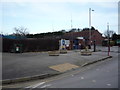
[[71, 29], [90, 25], [53, 29], [71, 22], [108, 39], [89, 17]]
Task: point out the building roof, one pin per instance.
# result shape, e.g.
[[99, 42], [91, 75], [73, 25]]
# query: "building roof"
[[83, 33]]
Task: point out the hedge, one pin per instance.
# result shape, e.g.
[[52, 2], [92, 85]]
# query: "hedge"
[[31, 45]]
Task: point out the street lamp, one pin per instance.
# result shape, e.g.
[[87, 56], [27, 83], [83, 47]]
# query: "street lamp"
[[71, 30], [90, 25], [108, 39]]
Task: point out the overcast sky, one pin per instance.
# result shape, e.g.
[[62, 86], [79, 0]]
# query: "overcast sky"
[[53, 15]]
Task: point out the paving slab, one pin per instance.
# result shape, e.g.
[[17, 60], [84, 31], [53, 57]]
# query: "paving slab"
[[64, 67]]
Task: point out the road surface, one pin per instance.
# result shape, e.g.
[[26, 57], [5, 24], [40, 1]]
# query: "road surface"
[[101, 75]]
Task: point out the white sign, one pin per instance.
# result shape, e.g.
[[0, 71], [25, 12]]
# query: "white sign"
[[80, 38], [64, 43], [67, 43]]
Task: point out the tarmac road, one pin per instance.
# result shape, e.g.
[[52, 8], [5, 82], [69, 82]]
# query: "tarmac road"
[[104, 75], [30, 64]]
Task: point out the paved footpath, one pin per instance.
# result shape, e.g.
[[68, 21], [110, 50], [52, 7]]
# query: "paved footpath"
[[30, 64]]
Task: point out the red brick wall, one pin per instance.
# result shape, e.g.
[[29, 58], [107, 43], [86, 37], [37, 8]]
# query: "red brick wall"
[[95, 35]]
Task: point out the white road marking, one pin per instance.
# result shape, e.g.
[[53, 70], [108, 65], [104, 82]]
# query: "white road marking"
[[28, 87], [94, 81], [36, 85], [46, 86], [72, 75], [108, 84], [82, 77]]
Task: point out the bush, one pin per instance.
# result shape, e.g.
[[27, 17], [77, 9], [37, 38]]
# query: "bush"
[[112, 43], [105, 43]]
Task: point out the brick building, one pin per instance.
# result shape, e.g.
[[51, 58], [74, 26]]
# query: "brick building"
[[95, 36]]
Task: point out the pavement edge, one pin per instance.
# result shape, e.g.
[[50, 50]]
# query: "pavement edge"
[[29, 78], [88, 63]]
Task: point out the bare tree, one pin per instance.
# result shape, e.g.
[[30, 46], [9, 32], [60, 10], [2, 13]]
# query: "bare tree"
[[21, 31], [109, 33]]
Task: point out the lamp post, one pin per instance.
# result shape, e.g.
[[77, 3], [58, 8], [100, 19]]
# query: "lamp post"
[[108, 39], [71, 22], [90, 25], [72, 32]]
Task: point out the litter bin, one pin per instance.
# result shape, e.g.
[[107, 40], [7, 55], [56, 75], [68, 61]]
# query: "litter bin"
[[89, 46], [18, 48]]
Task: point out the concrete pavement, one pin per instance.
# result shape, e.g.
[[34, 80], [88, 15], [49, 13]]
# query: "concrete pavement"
[[38, 64]]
